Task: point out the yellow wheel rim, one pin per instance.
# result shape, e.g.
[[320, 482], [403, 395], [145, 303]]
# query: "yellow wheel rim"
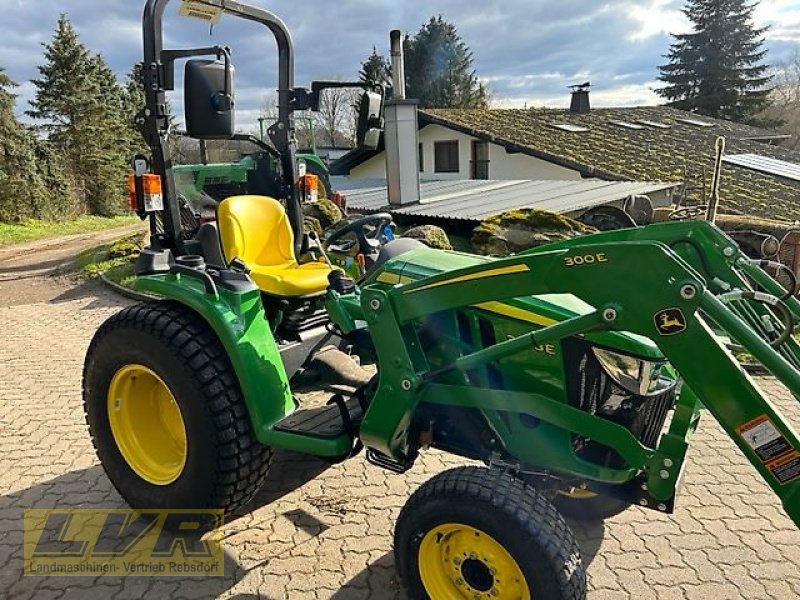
[[458, 561], [577, 493], [147, 425]]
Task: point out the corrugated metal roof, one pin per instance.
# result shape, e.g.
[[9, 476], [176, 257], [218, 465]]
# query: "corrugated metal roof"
[[476, 200], [765, 164]]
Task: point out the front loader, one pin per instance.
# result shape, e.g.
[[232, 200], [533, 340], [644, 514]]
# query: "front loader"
[[573, 374]]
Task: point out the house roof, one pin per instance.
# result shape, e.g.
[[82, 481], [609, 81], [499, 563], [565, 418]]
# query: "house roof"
[[635, 144], [475, 200]]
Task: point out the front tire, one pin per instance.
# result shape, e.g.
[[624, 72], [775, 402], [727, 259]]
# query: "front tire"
[[166, 414], [477, 533]]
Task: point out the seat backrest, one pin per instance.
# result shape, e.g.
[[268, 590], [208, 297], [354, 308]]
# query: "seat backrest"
[[256, 230]]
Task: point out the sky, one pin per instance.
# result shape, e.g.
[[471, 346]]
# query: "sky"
[[528, 51]]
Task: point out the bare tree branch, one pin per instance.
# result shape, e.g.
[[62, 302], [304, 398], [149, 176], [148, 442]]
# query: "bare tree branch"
[[335, 117], [785, 99]]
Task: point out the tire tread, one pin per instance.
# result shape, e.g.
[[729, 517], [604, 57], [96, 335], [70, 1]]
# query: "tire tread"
[[530, 511], [242, 463]]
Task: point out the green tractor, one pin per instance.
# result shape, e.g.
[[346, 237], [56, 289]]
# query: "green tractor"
[[255, 172], [574, 373]]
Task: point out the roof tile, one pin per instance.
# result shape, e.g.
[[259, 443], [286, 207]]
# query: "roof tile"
[[612, 152]]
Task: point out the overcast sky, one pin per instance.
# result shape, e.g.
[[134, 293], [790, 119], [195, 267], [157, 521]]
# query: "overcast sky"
[[527, 50]]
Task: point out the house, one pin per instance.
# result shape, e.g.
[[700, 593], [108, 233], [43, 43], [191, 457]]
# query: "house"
[[615, 144]]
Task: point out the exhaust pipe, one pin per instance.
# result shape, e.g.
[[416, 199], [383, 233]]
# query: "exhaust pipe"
[[401, 134], [398, 64]]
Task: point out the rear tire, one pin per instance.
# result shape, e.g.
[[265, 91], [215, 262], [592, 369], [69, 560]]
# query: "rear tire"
[[223, 464], [476, 532]]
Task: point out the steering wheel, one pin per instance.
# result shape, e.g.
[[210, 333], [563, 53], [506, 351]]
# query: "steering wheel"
[[688, 212], [368, 242]]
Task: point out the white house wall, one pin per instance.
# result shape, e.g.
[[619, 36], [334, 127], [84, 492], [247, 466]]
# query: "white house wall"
[[501, 164]]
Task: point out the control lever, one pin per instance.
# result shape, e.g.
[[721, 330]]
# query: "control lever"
[[238, 265], [315, 237]]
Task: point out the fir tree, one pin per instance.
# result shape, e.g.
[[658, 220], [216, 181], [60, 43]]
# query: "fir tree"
[[133, 101], [32, 183], [376, 70], [17, 163], [717, 70], [105, 131], [80, 105], [439, 71], [64, 83]]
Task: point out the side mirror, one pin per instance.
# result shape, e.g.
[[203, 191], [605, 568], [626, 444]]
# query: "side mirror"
[[208, 98], [370, 120]]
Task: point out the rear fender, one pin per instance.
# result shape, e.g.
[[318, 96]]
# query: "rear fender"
[[239, 321]]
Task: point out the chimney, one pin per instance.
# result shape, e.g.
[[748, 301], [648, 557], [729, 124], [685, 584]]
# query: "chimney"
[[398, 64], [580, 98], [401, 134]]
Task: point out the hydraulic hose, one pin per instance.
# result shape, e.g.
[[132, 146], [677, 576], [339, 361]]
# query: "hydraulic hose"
[[784, 315], [764, 264]]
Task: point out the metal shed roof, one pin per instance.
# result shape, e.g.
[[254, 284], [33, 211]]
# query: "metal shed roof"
[[477, 200]]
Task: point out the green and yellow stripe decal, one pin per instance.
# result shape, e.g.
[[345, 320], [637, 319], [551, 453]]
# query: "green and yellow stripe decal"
[[505, 310], [513, 312], [473, 276]]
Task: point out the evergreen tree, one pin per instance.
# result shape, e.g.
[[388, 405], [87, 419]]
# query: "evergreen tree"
[[376, 70], [105, 130], [717, 70], [64, 83], [31, 181], [18, 189], [81, 107], [439, 70]]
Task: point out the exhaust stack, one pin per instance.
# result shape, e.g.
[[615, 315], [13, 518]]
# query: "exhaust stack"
[[401, 134], [398, 64]]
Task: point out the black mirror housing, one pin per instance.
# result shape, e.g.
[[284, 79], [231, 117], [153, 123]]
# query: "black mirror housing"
[[209, 99], [370, 120]]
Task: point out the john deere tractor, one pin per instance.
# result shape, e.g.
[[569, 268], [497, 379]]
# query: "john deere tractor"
[[573, 375]]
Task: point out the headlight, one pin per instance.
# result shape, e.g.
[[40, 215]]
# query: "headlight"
[[638, 376]]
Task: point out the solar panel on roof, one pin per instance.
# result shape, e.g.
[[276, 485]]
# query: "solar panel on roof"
[[569, 127], [626, 125], [765, 164], [655, 124], [695, 122]]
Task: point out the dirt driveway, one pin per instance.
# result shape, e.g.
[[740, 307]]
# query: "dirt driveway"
[[322, 531], [29, 272]]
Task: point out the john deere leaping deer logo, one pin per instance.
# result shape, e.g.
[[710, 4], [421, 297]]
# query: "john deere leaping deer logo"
[[670, 321]]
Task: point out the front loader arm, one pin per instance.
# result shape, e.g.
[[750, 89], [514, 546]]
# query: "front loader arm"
[[640, 287], [723, 266]]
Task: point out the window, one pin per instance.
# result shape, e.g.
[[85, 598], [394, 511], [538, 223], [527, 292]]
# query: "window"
[[570, 127], [480, 160], [421, 158], [445, 155], [627, 124], [695, 122], [654, 124]]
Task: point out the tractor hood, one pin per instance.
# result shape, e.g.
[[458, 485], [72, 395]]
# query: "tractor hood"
[[541, 310]]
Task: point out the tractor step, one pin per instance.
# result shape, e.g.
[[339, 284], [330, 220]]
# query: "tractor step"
[[338, 417]]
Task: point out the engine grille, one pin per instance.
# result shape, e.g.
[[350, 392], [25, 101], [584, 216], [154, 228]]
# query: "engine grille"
[[590, 389]]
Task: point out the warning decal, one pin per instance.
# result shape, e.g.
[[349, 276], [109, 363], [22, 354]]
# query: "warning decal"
[[787, 468], [764, 438]]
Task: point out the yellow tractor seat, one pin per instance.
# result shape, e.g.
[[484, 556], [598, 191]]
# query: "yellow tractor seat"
[[256, 230]]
